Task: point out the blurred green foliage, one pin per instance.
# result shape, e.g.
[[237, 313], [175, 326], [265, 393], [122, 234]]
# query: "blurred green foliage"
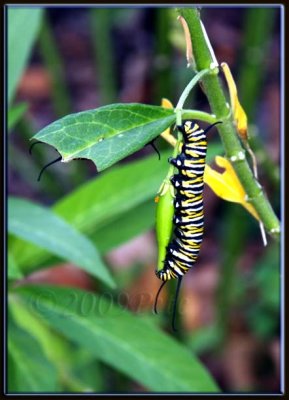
[[56, 341]]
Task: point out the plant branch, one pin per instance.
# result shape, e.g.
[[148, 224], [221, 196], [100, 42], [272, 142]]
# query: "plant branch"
[[233, 148], [186, 92]]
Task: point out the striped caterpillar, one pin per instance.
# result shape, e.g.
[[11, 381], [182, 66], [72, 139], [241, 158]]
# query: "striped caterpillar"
[[182, 251]]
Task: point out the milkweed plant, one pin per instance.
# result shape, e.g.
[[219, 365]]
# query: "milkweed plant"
[[106, 135]]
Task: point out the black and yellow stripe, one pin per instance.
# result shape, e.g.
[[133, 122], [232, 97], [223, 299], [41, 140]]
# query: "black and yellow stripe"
[[184, 248]]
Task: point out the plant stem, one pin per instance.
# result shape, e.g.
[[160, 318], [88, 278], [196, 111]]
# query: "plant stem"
[[104, 53], [186, 92], [163, 80], [231, 142], [199, 115], [54, 64]]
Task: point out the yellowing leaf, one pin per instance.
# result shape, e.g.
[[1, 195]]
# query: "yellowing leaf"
[[241, 120], [189, 52], [239, 114], [227, 185], [166, 103], [167, 133]]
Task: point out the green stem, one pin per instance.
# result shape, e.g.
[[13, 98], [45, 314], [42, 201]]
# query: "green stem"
[[104, 54], [199, 115], [233, 149], [163, 80], [187, 91], [54, 64], [171, 169]]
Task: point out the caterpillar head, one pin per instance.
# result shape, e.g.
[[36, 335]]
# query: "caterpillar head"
[[191, 131], [188, 127]]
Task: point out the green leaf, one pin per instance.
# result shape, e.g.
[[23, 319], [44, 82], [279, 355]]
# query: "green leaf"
[[52, 345], [266, 278], [120, 339], [15, 113], [88, 371], [121, 197], [42, 227], [204, 340], [13, 269], [71, 366], [264, 313], [129, 225], [107, 134], [28, 368], [23, 25], [102, 201]]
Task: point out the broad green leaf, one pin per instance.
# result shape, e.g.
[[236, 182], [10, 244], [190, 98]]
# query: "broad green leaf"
[[102, 200], [29, 371], [107, 134], [53, 346], [129, 225], [56, 348], [122, 197], [124, 204], [124, 341], [23, 24], [205, 339], [88, 371], [15, 113], [42, 227]]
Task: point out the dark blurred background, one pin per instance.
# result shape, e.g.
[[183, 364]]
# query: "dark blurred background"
[[85, 58]]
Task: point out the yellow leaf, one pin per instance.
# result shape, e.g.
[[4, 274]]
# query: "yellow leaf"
[[166, 103], [239, 114], [189, 52], [227, 185], [167, 133], [241, 120]]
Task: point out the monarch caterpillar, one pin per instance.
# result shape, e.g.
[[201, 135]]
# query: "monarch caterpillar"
[[182, 251]]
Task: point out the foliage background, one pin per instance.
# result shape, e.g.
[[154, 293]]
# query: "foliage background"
[[75, 59]]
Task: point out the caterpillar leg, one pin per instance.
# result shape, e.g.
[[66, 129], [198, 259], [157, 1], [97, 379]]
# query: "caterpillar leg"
[[178, 161]]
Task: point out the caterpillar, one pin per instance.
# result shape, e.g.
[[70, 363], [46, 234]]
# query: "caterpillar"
[[188, 219]]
